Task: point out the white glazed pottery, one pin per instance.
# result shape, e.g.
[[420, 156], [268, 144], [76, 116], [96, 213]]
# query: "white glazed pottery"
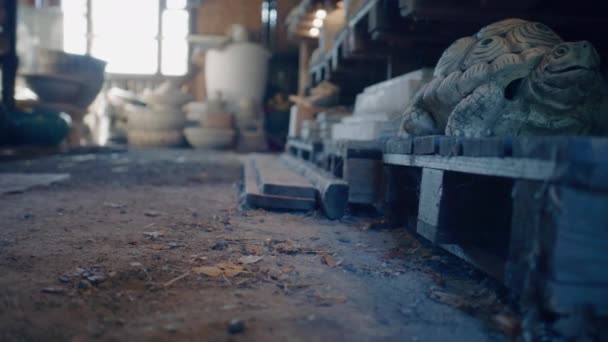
[[144, 119], [237, 71], [139, 138], [205, 138], [216, 120]]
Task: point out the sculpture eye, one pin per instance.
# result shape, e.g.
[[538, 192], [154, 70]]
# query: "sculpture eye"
[[486, 41], [560, 51]]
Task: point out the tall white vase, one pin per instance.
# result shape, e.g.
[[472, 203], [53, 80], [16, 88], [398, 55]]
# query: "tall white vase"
[[237, 71]]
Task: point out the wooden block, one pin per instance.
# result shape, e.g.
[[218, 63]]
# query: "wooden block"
[[579, 252], [558, 246], [401, 193], [426, 145], [568, 297], [399, 146], [276, 179], [364, 177], [429, 207], [362, 149], [332, 192], [450, 146], [563, 148], [465, 209], [254, 198], [580, 161], [481, 259], [486, 147]]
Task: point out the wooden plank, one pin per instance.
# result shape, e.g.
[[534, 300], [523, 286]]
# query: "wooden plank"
[[489, 166], [362, 149], [399, 146], [528, 201], [429, 207], [254, 198], [566, 297], [581, 161], [450, 146], [581, 237], [401, 193], [426, 145], [481, 259], [364, 178], [487, 147], [564, 148], [333, 192], [558, 246], [276, 179]]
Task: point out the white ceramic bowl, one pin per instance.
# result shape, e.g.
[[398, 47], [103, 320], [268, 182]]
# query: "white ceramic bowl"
[[205, 138], [144, 119], [139, 138], [216, 120]]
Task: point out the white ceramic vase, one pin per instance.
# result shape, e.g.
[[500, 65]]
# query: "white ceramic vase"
[[237, 71]]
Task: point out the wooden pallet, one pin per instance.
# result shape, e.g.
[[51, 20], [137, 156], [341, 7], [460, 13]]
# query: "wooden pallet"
[[529, 211], [307, 150], [358, 163]]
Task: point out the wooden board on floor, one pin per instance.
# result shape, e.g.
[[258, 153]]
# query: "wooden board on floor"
[[333, 192], [19, 182], [255, 198], [275, 178]]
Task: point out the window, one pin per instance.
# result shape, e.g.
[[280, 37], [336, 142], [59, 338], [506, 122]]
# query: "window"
[[135, 37]]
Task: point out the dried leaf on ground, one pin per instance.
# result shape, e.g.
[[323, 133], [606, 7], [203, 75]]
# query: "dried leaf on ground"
[[222, 269], [328, 300], [253, 249], [328, 260], [113, 205], [53, 290], [212, 271], [289, 247], [154, 234], [450, 299], [509, 324], [437, 278], [250, 259], [156, 247], [152, 213]]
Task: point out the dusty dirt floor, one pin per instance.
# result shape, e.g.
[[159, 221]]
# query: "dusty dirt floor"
[[152, 245]]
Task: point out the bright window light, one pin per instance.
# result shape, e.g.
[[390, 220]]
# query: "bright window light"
[[176, 4], [175, 24], [314, 31], [321, 13], [74, 26], [174, 53], [317, 22], [129, 42]]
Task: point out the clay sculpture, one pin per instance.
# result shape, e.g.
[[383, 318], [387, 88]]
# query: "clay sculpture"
[[513, 77]]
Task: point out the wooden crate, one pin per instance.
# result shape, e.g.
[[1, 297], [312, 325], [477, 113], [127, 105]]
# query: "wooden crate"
[[531, 212]]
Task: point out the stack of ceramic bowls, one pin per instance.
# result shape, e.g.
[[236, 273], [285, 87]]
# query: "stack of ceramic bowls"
[[211, 125], [161, 121]]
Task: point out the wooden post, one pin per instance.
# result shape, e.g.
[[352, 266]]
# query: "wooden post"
[[303, 67]]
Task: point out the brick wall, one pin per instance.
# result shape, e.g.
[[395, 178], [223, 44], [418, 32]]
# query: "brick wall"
[[216, 16]]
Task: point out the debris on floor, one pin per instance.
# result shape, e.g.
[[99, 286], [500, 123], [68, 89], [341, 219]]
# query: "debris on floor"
[[19, 182]]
